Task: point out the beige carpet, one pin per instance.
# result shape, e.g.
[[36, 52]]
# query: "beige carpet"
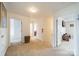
[[37, 48]]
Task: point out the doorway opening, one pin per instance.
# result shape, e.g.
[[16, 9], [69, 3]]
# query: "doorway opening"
[[15, 30], [33, 30], [65, 34]]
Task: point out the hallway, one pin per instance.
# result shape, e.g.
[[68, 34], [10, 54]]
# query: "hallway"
[[37, 48], [42, 22]]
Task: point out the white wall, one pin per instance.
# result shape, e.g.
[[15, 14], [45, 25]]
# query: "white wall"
[[68, 13], [3, 41], [49, 29], [70, 30]]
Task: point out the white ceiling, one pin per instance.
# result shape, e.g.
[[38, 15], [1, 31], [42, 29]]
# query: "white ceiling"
[[44, 8]]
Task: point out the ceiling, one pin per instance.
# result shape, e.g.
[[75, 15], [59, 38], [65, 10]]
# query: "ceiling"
[[44, 8]]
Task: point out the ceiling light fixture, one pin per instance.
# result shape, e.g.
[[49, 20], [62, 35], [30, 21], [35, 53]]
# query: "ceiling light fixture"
[[33, 9]]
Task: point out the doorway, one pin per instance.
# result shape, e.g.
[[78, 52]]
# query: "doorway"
[[65, 27], [15, 30], [33, 30]]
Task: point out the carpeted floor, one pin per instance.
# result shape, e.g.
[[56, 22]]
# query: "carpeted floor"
[[37, 48]]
